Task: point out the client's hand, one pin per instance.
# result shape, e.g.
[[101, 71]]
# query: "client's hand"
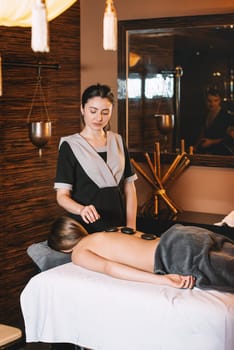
[[179, 281]]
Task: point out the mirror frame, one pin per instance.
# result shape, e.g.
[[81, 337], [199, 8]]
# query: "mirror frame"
[[170, 23]]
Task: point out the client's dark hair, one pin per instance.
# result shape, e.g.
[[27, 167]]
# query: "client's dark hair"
[[65, 233]]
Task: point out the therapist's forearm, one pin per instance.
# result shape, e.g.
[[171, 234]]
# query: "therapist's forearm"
[[87, 212], [67, 203]]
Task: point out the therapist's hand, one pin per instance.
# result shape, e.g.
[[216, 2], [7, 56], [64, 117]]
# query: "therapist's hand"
[[89, 214]]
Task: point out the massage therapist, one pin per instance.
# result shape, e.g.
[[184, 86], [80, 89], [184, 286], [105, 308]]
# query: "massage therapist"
[[95, 178]]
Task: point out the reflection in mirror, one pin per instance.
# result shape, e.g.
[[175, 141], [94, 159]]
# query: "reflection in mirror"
[[216, 135], [166, 67]]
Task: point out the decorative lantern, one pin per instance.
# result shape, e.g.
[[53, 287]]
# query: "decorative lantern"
[[40, 131]]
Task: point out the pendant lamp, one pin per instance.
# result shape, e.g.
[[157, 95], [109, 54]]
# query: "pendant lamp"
[[110, 26], [40, 28], [40, 130], [35, 14]]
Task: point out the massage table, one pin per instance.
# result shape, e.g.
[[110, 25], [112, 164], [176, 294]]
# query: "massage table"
[[70, 304]]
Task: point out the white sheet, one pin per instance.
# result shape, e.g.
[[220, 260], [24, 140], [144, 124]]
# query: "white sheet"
[[69, 304]]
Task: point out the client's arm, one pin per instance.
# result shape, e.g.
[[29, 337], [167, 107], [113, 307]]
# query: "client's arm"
[[87, 259]]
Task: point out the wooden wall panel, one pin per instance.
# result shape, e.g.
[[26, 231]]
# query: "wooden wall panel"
[[27, 199]]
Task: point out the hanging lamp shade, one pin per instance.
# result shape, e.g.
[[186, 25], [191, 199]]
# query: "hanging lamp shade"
[[40, 28], [18, 13], [40, 129], [40, 133], [110, 26]]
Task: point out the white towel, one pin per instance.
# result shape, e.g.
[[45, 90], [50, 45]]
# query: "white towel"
[[228, 220]]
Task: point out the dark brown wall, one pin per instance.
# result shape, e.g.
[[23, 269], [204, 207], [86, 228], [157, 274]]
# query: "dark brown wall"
[[27, 199]]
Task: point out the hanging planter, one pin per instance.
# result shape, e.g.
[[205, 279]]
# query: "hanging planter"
[[39, 134], [165, 118], [40, 131]]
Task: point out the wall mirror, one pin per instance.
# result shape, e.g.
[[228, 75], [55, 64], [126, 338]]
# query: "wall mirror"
[[165, 67]]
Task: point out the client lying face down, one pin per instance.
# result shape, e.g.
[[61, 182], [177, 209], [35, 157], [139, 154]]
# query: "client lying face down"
[[183, 256], [116, 254]]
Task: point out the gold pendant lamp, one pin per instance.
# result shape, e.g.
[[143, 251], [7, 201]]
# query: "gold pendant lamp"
[[40, 130]]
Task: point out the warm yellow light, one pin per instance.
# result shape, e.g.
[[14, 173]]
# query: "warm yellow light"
[[18, 13], [134, 58], [217, 74], [35, 14]]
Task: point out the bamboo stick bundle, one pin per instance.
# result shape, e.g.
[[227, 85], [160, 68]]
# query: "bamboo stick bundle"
[[157, 185], [160, 184], [162, 191]]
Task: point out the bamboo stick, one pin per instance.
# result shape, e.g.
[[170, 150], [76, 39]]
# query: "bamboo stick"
[[155, 205], [182, 146], [143, 173], [162, 193], [172, 167], [158, 161], [180, 168], [158, 181], [155, 162], [191, 150]]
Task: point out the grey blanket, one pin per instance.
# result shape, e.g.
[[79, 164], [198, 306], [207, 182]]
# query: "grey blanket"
[[191, 250]]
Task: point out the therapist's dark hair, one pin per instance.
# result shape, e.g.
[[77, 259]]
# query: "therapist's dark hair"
[[65, 233], [98, 90], [213, 92]]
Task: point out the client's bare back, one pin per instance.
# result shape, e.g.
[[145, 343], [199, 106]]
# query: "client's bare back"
[[125, 257], [122, 248]]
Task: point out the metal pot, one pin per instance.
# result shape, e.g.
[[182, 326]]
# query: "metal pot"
[[40, 133], [165, 123]]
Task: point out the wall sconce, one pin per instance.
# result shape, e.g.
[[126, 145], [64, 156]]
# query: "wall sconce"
[[110, 26], [40, 130]]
